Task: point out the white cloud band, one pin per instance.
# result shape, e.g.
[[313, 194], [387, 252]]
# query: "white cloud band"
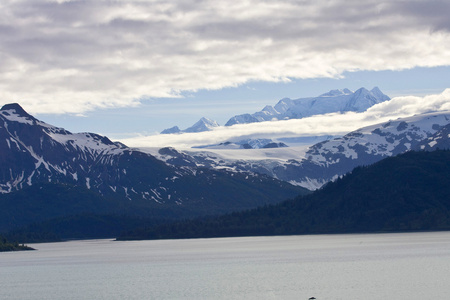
[[330, 124]]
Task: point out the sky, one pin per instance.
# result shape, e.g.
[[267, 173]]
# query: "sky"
[[129, 69]]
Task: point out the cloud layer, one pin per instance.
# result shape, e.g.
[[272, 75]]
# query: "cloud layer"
[[330, 124], [80, 55]]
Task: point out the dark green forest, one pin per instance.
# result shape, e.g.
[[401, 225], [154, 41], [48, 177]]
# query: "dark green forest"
[[53, 212], [409, 192], [5, 245]]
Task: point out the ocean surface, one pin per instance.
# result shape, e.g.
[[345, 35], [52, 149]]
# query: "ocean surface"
[[357, 266]]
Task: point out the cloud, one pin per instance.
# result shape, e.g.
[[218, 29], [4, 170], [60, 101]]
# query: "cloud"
[[329, 124], [76, 56]]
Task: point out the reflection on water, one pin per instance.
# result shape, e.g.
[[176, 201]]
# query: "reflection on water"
[[362, 266]]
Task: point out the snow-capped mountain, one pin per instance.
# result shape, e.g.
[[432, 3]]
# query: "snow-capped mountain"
[[33, 152], [171, 130], [333, 101], [204, 124], [327, 160]]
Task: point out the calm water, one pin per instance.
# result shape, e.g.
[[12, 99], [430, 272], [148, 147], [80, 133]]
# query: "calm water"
[[373, 266]]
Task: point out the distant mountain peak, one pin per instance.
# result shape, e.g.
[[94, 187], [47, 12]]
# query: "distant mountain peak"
[[375, 89], [362, 99], [379, 94], [204, 124], [339, 100], [171, 130], [337, 92], [363, 92]]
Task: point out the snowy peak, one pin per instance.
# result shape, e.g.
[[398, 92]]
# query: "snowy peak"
[[30, 128], [33, 151], [334, 93], [362, 99], [14, 112], [171, 130], [333, 101], [204, 124], [379, 95], [15, 107]]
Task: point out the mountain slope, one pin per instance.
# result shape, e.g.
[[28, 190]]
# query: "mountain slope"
[[35, 155], [403, 193], [174, 129], [439, 140], [327, 160], [333, 101], [245, 144]]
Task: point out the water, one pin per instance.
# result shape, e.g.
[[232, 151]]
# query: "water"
[[366, 266]]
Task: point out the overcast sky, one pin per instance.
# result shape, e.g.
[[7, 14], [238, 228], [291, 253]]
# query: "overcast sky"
[[123, 68]]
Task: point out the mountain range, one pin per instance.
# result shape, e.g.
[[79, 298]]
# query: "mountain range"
[[322, 162], [333, 101], [43, 166], [51, 176]]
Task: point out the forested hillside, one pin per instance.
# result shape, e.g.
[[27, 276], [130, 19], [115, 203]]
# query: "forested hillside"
[[410, 192], [5, 245]]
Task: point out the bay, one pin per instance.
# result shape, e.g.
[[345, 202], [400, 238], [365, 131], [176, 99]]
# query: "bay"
[[354, 266]]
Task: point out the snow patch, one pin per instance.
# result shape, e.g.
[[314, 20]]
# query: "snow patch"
[[432, 144], [12, 115]]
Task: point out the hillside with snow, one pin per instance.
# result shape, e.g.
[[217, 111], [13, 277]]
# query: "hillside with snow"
[[313, 166], [36, 156]]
